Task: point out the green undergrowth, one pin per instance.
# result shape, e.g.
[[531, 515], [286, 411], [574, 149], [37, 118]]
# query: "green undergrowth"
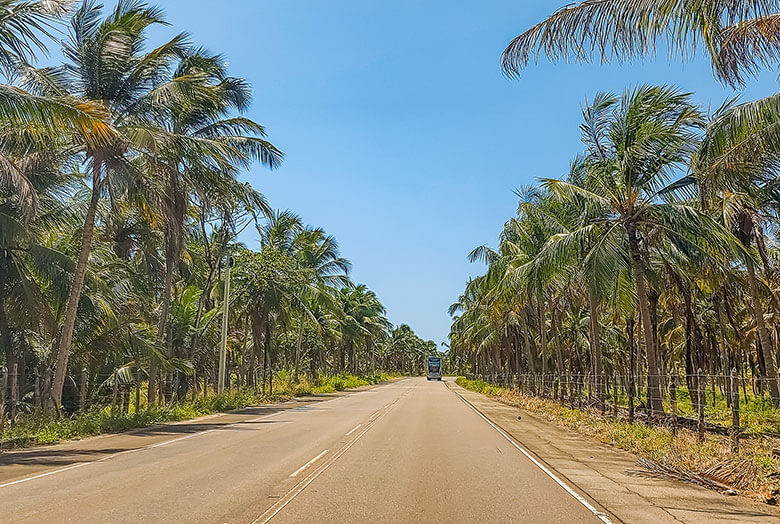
[[753, 471], [286, 384], [38, 429]]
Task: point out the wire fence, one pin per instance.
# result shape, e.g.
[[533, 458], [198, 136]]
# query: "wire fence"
[[732, 405]]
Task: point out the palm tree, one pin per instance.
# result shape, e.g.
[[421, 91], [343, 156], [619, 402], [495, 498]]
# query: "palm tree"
[[647, 137], [24, 27], [362, 321], [31, 270], [204, 115], [739, 36], [106, 66]]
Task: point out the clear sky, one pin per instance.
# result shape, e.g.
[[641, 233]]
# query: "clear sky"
[[403, 139]]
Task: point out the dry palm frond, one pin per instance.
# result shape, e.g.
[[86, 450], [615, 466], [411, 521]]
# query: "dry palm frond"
[[739, 474], [749, 46], [677, 471]]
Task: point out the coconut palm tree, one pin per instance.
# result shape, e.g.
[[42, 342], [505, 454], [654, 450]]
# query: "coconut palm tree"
[[362, 318], [739, 36], [648, 136], [108, 65], [205, 115]]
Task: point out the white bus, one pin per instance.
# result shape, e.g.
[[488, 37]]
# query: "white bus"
[[434, 368]]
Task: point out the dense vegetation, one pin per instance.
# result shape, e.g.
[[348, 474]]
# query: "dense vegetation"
[[121, 207], [656, 253]]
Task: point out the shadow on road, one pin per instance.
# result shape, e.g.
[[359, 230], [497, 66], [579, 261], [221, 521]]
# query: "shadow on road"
[[52, 457], [73, 452]]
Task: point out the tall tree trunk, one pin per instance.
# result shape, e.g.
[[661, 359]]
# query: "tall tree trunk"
[[529, 353], [653, 373], [7, 345], [543, 333], [298, 346], [631, 364], [162, 324], [267, 358], [372, 350], [595, 339], [724, 344], [257, 337], [691, 378], [763, 333], [74, 296]]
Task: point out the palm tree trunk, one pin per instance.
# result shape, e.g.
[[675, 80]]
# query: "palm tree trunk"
[[74, 297], [653, 374], [162, 324], [595, 338], [7, 345], [724, 344], [371, 349], [631, 366], [267, 358], [763, 333], [298, 351], [257, 336], [543, 333], [529, 354], [691, 377]]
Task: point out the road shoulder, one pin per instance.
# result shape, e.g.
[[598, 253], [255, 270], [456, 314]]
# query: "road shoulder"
[[30, 462], [611, 477]]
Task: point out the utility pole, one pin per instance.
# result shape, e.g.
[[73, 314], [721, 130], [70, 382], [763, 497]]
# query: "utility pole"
[[223, 343]]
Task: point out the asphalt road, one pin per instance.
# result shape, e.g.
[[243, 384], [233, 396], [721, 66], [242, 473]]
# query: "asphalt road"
[[408, 451]]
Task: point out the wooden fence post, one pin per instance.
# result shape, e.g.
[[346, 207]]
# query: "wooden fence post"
[[631, 390], [83, 390], [115, 395], [3, 388], [14, 390], [601, 388], [37, 393], [615, 393], [673, 400], [734, 411], [702, 400]]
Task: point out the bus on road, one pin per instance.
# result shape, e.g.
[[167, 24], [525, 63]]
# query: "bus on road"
[[434, 368]]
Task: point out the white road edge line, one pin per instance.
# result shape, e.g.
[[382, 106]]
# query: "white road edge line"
[[601, 516], [74, 466], [351, 431], [159, 444], [312, 461]]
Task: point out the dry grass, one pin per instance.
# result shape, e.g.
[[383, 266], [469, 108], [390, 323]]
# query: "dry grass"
[[754, 471]]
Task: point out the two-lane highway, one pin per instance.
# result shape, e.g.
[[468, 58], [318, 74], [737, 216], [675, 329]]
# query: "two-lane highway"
[[409, 451]]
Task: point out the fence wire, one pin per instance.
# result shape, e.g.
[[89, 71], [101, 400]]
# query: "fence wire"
[[716, 404]]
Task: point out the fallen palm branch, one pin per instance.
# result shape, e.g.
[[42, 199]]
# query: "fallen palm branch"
[[680, 472]]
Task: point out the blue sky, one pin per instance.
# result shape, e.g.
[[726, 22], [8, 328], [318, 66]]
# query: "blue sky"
[[403, 139]]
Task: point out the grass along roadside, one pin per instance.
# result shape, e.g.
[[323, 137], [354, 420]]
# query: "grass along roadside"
[[753, 472], [36, 429]]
